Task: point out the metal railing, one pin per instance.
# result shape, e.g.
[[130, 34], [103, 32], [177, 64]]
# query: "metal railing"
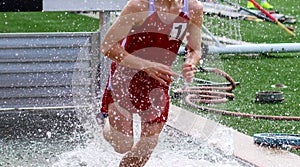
[[42, 73]]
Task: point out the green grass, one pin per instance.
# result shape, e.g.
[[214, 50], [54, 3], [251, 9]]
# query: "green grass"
[[255, 73], [19, 22], [265, 32], [258, 74]]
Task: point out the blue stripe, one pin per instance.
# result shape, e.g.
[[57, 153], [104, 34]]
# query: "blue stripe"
[[151, 7], [186, 7]]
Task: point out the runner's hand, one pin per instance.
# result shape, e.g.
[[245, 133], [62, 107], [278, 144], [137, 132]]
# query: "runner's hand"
[[188, 71], [160, 72]]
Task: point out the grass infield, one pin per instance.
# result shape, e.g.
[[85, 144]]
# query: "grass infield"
[[19, 22]]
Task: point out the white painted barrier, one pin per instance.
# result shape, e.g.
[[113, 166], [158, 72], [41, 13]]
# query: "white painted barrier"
[[83, 5]]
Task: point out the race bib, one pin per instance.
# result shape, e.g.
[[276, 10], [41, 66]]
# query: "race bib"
[[177, 31]]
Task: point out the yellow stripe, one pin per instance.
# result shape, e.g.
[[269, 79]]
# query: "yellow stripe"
[[286, 29]]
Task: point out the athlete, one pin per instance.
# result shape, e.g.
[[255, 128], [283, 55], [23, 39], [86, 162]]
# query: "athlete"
[[143, 43]]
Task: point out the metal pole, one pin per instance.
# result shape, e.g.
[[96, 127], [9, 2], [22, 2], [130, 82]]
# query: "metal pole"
[[211, 35], [104, 66], [255, 48]]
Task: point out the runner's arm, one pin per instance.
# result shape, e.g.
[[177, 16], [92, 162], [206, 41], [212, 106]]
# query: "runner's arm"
[[194, 40], [129, 17], [134, 13]]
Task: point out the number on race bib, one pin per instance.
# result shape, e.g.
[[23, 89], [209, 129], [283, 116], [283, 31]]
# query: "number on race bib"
[[177, 31]]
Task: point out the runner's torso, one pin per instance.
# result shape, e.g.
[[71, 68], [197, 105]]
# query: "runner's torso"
[[156, 40], [153, 40]]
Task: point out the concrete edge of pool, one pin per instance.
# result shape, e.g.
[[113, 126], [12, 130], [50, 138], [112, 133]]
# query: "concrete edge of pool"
[[244, 147]]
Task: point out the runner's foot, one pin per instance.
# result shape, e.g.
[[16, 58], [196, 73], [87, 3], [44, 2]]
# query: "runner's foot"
[[100, 118]]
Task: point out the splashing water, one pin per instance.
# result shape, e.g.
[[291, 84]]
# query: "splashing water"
[[174, 149]]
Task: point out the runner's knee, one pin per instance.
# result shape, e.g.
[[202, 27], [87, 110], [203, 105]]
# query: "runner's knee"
[[121, 142], [123, 146]]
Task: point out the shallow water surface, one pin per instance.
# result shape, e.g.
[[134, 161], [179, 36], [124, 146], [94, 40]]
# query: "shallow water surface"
[[175, 149]]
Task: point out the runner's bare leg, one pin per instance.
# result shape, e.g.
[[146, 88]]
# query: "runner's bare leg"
[[141, 152], [118, 129]]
